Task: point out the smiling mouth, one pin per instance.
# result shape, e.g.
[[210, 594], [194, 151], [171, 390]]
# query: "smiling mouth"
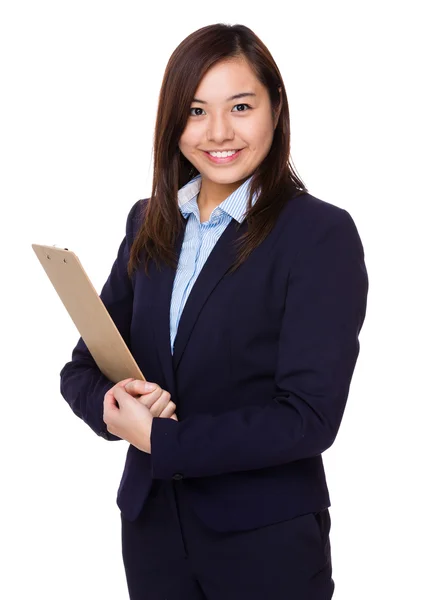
[[223, 157], [222, 151]]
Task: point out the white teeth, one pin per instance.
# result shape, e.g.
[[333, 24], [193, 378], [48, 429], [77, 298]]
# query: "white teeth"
[[223, 154]]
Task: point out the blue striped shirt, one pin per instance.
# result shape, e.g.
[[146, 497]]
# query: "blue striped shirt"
[[200, 239]]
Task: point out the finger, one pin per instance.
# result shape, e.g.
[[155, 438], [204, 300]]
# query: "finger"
[[162, 402], [149, 400], [123, 382], [110, 402], [163, 411], [120, 394], [141, 387], [174, 416]]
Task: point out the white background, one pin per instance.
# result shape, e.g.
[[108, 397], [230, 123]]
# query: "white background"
[[79, 89]]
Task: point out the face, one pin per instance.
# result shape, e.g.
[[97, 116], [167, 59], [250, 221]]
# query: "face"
[[220, 122]]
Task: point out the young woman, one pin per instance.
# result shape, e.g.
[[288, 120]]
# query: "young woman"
[[241, 297]]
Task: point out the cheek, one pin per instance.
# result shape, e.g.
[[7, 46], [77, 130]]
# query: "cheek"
[[259, 136], [182, 143], [265, 139], [189, 138]]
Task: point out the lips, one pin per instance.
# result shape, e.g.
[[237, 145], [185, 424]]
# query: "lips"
[[227, 150], [222, 160]]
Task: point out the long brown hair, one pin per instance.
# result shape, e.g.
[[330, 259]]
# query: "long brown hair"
[[275, 177]]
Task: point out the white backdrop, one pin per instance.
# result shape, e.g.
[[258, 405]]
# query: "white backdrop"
[[80, 83]]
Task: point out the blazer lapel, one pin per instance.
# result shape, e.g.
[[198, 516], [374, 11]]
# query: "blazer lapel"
[[163, 282], [219, 261]]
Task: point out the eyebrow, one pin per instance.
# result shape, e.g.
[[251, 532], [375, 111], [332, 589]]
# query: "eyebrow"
[[242, 95]]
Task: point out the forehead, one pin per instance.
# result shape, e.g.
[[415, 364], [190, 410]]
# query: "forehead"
[[226, 78]]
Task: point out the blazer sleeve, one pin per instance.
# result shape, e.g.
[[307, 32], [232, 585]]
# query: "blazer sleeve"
[[82, 384], [318, 349]]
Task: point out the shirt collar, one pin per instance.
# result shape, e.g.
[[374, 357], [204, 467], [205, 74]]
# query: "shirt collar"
[[235, 205]]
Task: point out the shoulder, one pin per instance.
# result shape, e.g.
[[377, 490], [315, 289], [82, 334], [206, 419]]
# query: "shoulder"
[[135, 217], [314, 217], [308, 221], [309, 210], [137, 211]]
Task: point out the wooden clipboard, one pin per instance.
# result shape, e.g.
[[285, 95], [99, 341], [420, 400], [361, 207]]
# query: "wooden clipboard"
[[88, 313]]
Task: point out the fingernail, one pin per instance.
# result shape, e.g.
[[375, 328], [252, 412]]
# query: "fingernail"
[[149, 387]]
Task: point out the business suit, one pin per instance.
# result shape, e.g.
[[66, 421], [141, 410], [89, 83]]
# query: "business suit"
[[260, 374]]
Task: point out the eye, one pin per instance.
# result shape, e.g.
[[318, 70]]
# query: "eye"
[[196, 108], [248, 106]]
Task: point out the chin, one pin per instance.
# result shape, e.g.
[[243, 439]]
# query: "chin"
[[223, 178], [224, 173]]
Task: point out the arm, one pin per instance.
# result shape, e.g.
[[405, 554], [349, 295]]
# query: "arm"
[[82, 384], [318, 349]]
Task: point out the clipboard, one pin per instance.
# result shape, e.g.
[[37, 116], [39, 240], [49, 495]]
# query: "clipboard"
[[88, 313]]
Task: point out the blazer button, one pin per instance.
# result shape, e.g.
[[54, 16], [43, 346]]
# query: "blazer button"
[[177, 476]]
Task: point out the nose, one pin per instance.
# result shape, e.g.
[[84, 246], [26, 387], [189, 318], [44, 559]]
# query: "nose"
[[220, 129]]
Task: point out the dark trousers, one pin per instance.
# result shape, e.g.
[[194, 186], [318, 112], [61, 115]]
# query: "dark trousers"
[[169, 554]]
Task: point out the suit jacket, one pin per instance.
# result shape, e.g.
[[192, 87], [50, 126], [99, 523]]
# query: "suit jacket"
[[261, 370]]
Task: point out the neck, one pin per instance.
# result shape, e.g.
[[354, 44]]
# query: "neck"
[[212, 194]]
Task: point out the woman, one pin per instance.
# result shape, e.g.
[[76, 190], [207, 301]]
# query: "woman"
[[241, 297]]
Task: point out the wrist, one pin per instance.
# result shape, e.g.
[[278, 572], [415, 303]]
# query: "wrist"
[[143, 442]]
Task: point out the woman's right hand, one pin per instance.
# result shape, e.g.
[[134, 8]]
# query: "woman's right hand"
[[158, 400]]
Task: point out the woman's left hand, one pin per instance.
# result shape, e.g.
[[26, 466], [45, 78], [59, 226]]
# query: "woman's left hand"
[[130, 420]]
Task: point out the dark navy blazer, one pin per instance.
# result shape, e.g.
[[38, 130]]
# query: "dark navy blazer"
[[260, 374]]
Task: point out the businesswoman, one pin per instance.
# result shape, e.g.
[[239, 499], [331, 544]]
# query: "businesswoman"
[[241, 296]]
